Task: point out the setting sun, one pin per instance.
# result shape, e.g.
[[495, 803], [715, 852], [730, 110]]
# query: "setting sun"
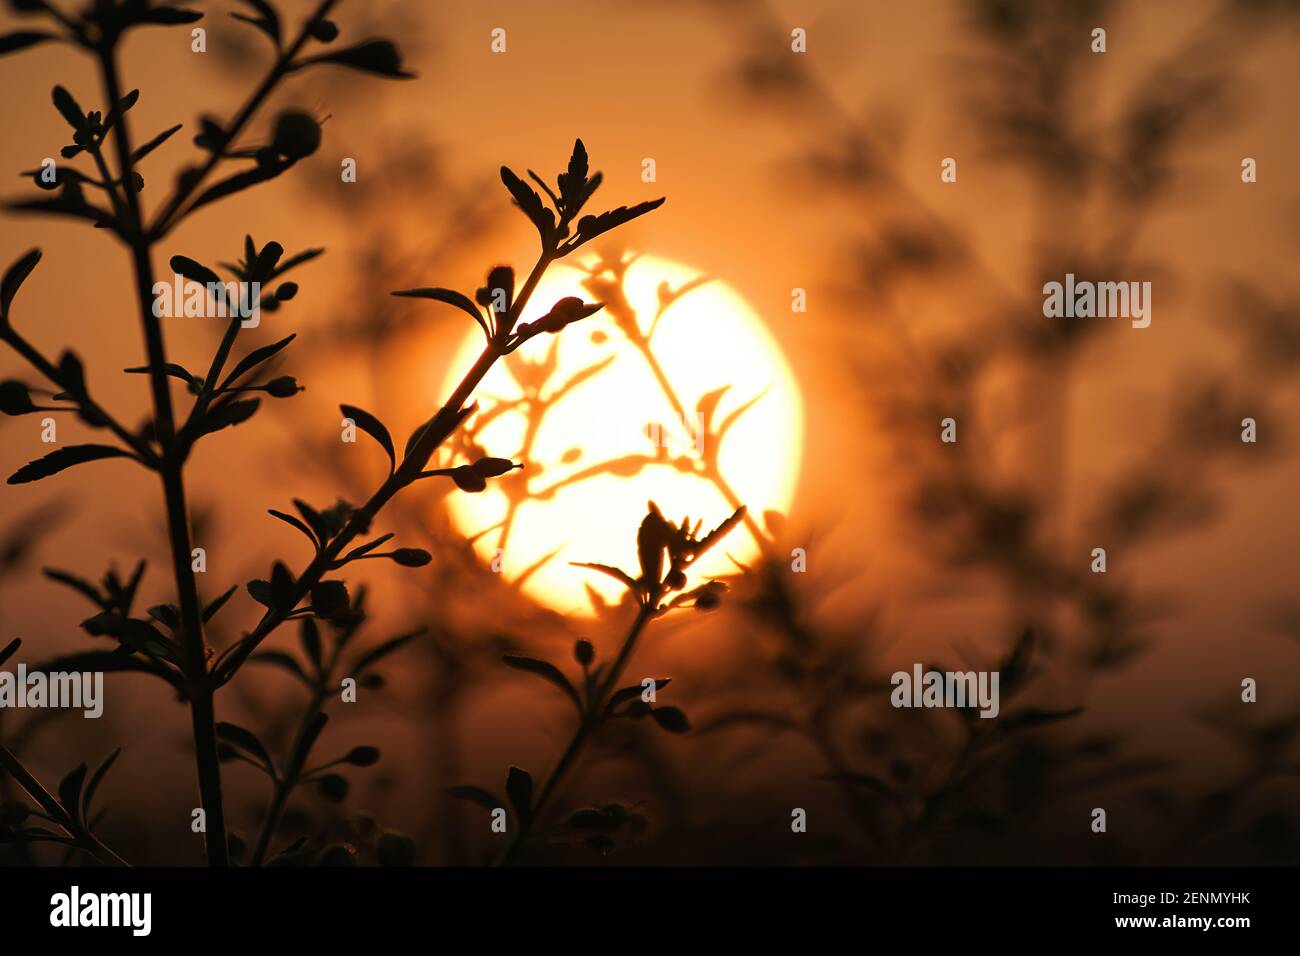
[[628, 407]]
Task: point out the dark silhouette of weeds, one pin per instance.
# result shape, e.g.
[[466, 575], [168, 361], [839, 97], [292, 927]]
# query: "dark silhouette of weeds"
[[660, 587], [169, 643]]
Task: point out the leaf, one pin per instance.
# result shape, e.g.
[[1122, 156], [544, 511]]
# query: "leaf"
[[217, 604], [309, 637], [95, 780], [267, 20], [134, 633], [21, 40], [574, 181], [194, 271], [720, 532], [451, 297], [142, 151], [309, 738], [282, 586], [70, 792], [519, 788], [443, 423], [245, 740], [708, 404], [76, 583], [296, 523], [671, 719], [239, 182], [365, 549], [370, 659], [118, 661], [589, 227], [295, 260], [169, 16], [57, 461], [1015, 668], [260, 591], [379, 57], [227, 416], [329, 599], [69, 202], [68, 108], [475, 795], [10, 649], [526, 199], [624, 694], [122, 107], [548, 672], [734, 416], [314, 519], [615, 573], [168, 615], [256, 358], [375, 429], [72, 375], [651, 540], [15, 277], [265, 260], [282, 660], [171, 368]]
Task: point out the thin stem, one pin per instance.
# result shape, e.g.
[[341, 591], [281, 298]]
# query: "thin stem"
[[84, 839], [167, 218], [435, 432], [591, 721], [287, 781], [209, 389], [200, 690]]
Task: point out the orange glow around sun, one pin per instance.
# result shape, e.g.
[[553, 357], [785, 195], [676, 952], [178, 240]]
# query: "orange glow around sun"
[[613, 438]]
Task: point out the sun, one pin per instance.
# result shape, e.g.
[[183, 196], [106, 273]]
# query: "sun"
[[676, 392]]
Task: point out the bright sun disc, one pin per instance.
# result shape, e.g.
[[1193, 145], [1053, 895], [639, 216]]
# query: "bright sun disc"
[[613, 441]]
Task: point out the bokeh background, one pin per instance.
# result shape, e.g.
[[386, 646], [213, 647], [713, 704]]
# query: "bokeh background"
[[817, 171]]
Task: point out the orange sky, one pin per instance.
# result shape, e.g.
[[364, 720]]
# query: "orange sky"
[[640, 81]]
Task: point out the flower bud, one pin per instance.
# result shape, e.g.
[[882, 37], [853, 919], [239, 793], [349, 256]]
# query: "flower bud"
[[297, 134]]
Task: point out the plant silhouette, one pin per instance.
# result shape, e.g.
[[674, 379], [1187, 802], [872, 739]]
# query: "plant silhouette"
[[169, 642], [665, 552]]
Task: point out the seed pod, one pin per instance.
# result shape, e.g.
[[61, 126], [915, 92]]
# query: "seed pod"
[[297, 134], [362, 756], [411, 557], [282, 387], [14, 398], [492, 467]]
